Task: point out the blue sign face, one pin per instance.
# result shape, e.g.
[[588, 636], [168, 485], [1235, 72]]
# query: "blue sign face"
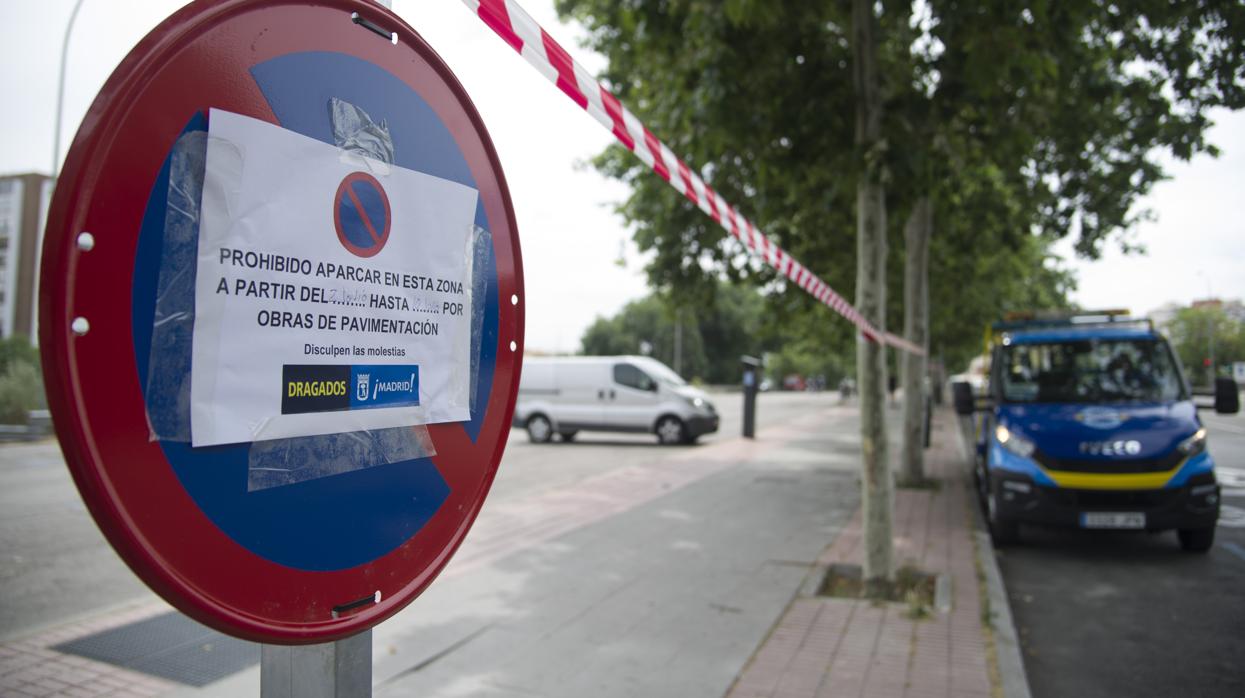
[[346, 520]]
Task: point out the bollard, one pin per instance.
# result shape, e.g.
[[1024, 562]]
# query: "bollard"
[[752, 367], [929, 416]]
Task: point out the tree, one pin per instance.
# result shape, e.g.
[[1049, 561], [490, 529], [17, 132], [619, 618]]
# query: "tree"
[[917, 232], [1018, 124], [877, 485], [764, 89], [647, 326], [713, 338], [1205, 339], [21, 380]]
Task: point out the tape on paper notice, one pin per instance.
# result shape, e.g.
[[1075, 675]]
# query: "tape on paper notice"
[[332, 294]]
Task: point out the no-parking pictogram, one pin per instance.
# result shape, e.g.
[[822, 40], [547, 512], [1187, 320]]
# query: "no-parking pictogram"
[[362, 215]]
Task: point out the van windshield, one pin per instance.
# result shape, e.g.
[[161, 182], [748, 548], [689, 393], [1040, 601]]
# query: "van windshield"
[[1129, 370], [661, 372]]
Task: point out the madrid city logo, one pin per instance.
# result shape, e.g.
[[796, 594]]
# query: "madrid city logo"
[[362, 388], [361, 214]]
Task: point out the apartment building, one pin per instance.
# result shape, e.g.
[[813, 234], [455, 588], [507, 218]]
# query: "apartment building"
[[24, 200]]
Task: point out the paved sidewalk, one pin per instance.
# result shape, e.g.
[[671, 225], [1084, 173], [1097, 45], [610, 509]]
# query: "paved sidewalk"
[[844, 647], [31, 667], [658, 580], [653, 579]]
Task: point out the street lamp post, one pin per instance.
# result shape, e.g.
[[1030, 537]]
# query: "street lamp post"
[[1210, 338], [60, 92], [1210, 328]]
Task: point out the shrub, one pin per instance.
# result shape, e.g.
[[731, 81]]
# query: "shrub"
[[21, 390]]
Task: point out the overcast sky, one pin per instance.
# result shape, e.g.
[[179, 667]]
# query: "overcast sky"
[[579, 262]]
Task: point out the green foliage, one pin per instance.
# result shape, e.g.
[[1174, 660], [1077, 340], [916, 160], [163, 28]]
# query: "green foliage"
[[806, 357], [715, 334], [1123, 80], [1193, 333], [648, 324], [21, 382], [1023, 123], [17, 348]]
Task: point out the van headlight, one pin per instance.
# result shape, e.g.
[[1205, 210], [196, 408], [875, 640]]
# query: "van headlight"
[[1194, 444], [699, 403], [1013, 442]]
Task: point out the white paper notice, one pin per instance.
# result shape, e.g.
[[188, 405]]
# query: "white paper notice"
[[333, 293]]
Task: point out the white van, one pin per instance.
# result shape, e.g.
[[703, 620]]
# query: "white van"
[[566, 394]]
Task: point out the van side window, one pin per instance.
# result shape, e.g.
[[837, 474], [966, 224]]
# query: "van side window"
[[632, 377]]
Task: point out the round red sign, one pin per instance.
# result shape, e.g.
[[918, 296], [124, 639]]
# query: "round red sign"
[[306, 538]]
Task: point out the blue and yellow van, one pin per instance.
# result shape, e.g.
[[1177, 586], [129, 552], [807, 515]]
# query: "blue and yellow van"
[[1087, 421]]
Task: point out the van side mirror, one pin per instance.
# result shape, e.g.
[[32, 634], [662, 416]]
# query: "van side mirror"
[[962, 396], [1227, 399]]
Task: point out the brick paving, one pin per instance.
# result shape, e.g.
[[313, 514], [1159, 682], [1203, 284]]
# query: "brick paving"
[[525, 522], [30, 667], [819, 647], [847, 647]]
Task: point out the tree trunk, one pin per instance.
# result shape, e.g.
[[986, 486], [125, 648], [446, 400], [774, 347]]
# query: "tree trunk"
[[876, 482], [916, 232]]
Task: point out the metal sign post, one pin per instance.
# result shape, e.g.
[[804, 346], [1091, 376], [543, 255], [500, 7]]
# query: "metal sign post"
[[340, 669], [289, 210]]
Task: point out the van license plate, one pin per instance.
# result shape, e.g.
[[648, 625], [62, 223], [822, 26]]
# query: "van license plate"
[[1113, 519]]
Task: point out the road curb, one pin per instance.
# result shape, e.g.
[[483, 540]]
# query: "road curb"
[[1015, 683], [1002, 626]]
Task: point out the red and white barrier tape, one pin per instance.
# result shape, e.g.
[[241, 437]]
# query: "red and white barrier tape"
[[524, 35]]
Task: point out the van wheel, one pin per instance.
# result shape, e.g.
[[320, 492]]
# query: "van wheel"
[[1196, 540], [1003, 531], [982, 485], [670, 430], [539, 429]]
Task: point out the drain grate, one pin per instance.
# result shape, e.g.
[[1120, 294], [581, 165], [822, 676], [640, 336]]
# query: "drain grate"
[[170, 646]]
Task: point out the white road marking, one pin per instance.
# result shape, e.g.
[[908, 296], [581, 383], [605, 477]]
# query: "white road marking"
[[1219, 424], [1234, 549], [1230, 479], [1231, 517]]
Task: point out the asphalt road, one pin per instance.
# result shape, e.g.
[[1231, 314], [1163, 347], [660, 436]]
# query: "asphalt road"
[[55, 565], [527, 468], [1129, 614], [610, 566]]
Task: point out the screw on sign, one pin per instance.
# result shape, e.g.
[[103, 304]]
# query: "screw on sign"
[[252, 390]]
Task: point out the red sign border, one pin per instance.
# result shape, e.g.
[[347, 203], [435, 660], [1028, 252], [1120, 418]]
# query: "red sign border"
[[97, 406]]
